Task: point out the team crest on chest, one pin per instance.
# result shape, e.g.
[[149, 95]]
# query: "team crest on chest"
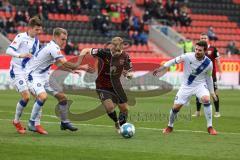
[[21, 82], [209, 52]]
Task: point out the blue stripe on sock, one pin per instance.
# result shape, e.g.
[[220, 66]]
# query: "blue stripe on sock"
[[39, 102], [207, 104], [63, 103], [175, 111], [23, 103]]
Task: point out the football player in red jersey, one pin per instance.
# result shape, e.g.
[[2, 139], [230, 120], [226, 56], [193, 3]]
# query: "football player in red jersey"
[[112, 63], [213, 54]]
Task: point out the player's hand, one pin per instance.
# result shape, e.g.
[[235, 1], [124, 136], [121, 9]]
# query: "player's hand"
[[160, 71], [129, 75], [87, 68], [25, 55], [214, 96]]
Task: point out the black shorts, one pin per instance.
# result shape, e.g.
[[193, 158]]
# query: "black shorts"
[[117, 96]]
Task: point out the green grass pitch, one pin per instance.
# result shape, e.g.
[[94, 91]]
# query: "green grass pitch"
[[97, 139]]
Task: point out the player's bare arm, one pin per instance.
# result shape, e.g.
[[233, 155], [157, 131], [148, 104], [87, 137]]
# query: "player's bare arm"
[[164, 68], [219, 67], [10, 51], [209, 81], [69, 65]]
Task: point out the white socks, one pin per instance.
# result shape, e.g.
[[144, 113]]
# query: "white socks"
[[36, 110], [19, 109], [208, 114], [63, 110], [172, 117]]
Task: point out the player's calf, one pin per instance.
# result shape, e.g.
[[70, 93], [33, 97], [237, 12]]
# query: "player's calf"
[[122, 117], [63, 107], [32, 126], [19, 109], [21, 105], [123, 114]]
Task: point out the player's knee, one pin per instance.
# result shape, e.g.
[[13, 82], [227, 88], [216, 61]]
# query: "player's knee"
[[42, 97], [177, 107], [63, 102], [26, 98], [123, 107], [61, 98], [109, 107], [205, 99]]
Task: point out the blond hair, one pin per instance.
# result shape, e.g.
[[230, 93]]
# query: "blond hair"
[[117, 43], [58, 31]]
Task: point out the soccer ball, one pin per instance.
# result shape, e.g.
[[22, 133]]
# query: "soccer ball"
[[127, 130]]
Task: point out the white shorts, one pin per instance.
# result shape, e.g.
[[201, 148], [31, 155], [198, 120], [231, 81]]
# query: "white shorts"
[[40, 83], [186, 92], [18, 79]]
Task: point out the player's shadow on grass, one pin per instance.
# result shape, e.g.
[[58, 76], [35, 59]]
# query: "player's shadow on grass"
[[133, 90]]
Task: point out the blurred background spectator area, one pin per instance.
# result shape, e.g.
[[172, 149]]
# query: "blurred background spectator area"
[[94, 22]]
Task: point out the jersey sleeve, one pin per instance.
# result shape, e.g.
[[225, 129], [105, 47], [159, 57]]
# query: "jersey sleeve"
[[128, 64], [56, 53], [176, 60], [98, 52], [16, 42]]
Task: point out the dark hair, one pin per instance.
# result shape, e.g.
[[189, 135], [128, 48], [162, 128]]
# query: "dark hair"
[[202, 44], [35, 21]]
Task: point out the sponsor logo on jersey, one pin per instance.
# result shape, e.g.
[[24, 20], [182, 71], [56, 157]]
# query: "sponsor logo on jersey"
[[121, 61]]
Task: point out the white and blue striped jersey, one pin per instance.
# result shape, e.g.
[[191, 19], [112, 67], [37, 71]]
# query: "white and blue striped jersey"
[[41, 62], [23, 43], [195, 72]]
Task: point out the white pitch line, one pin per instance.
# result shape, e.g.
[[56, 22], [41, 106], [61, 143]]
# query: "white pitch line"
[[144, 128], [45, 115]]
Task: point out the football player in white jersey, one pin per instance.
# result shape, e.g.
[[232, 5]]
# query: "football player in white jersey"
[[22, 48], [38, 79], [197, 81]]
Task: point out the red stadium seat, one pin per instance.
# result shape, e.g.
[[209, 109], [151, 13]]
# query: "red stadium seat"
[[139, 2], [68, 17], [2, 14]]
